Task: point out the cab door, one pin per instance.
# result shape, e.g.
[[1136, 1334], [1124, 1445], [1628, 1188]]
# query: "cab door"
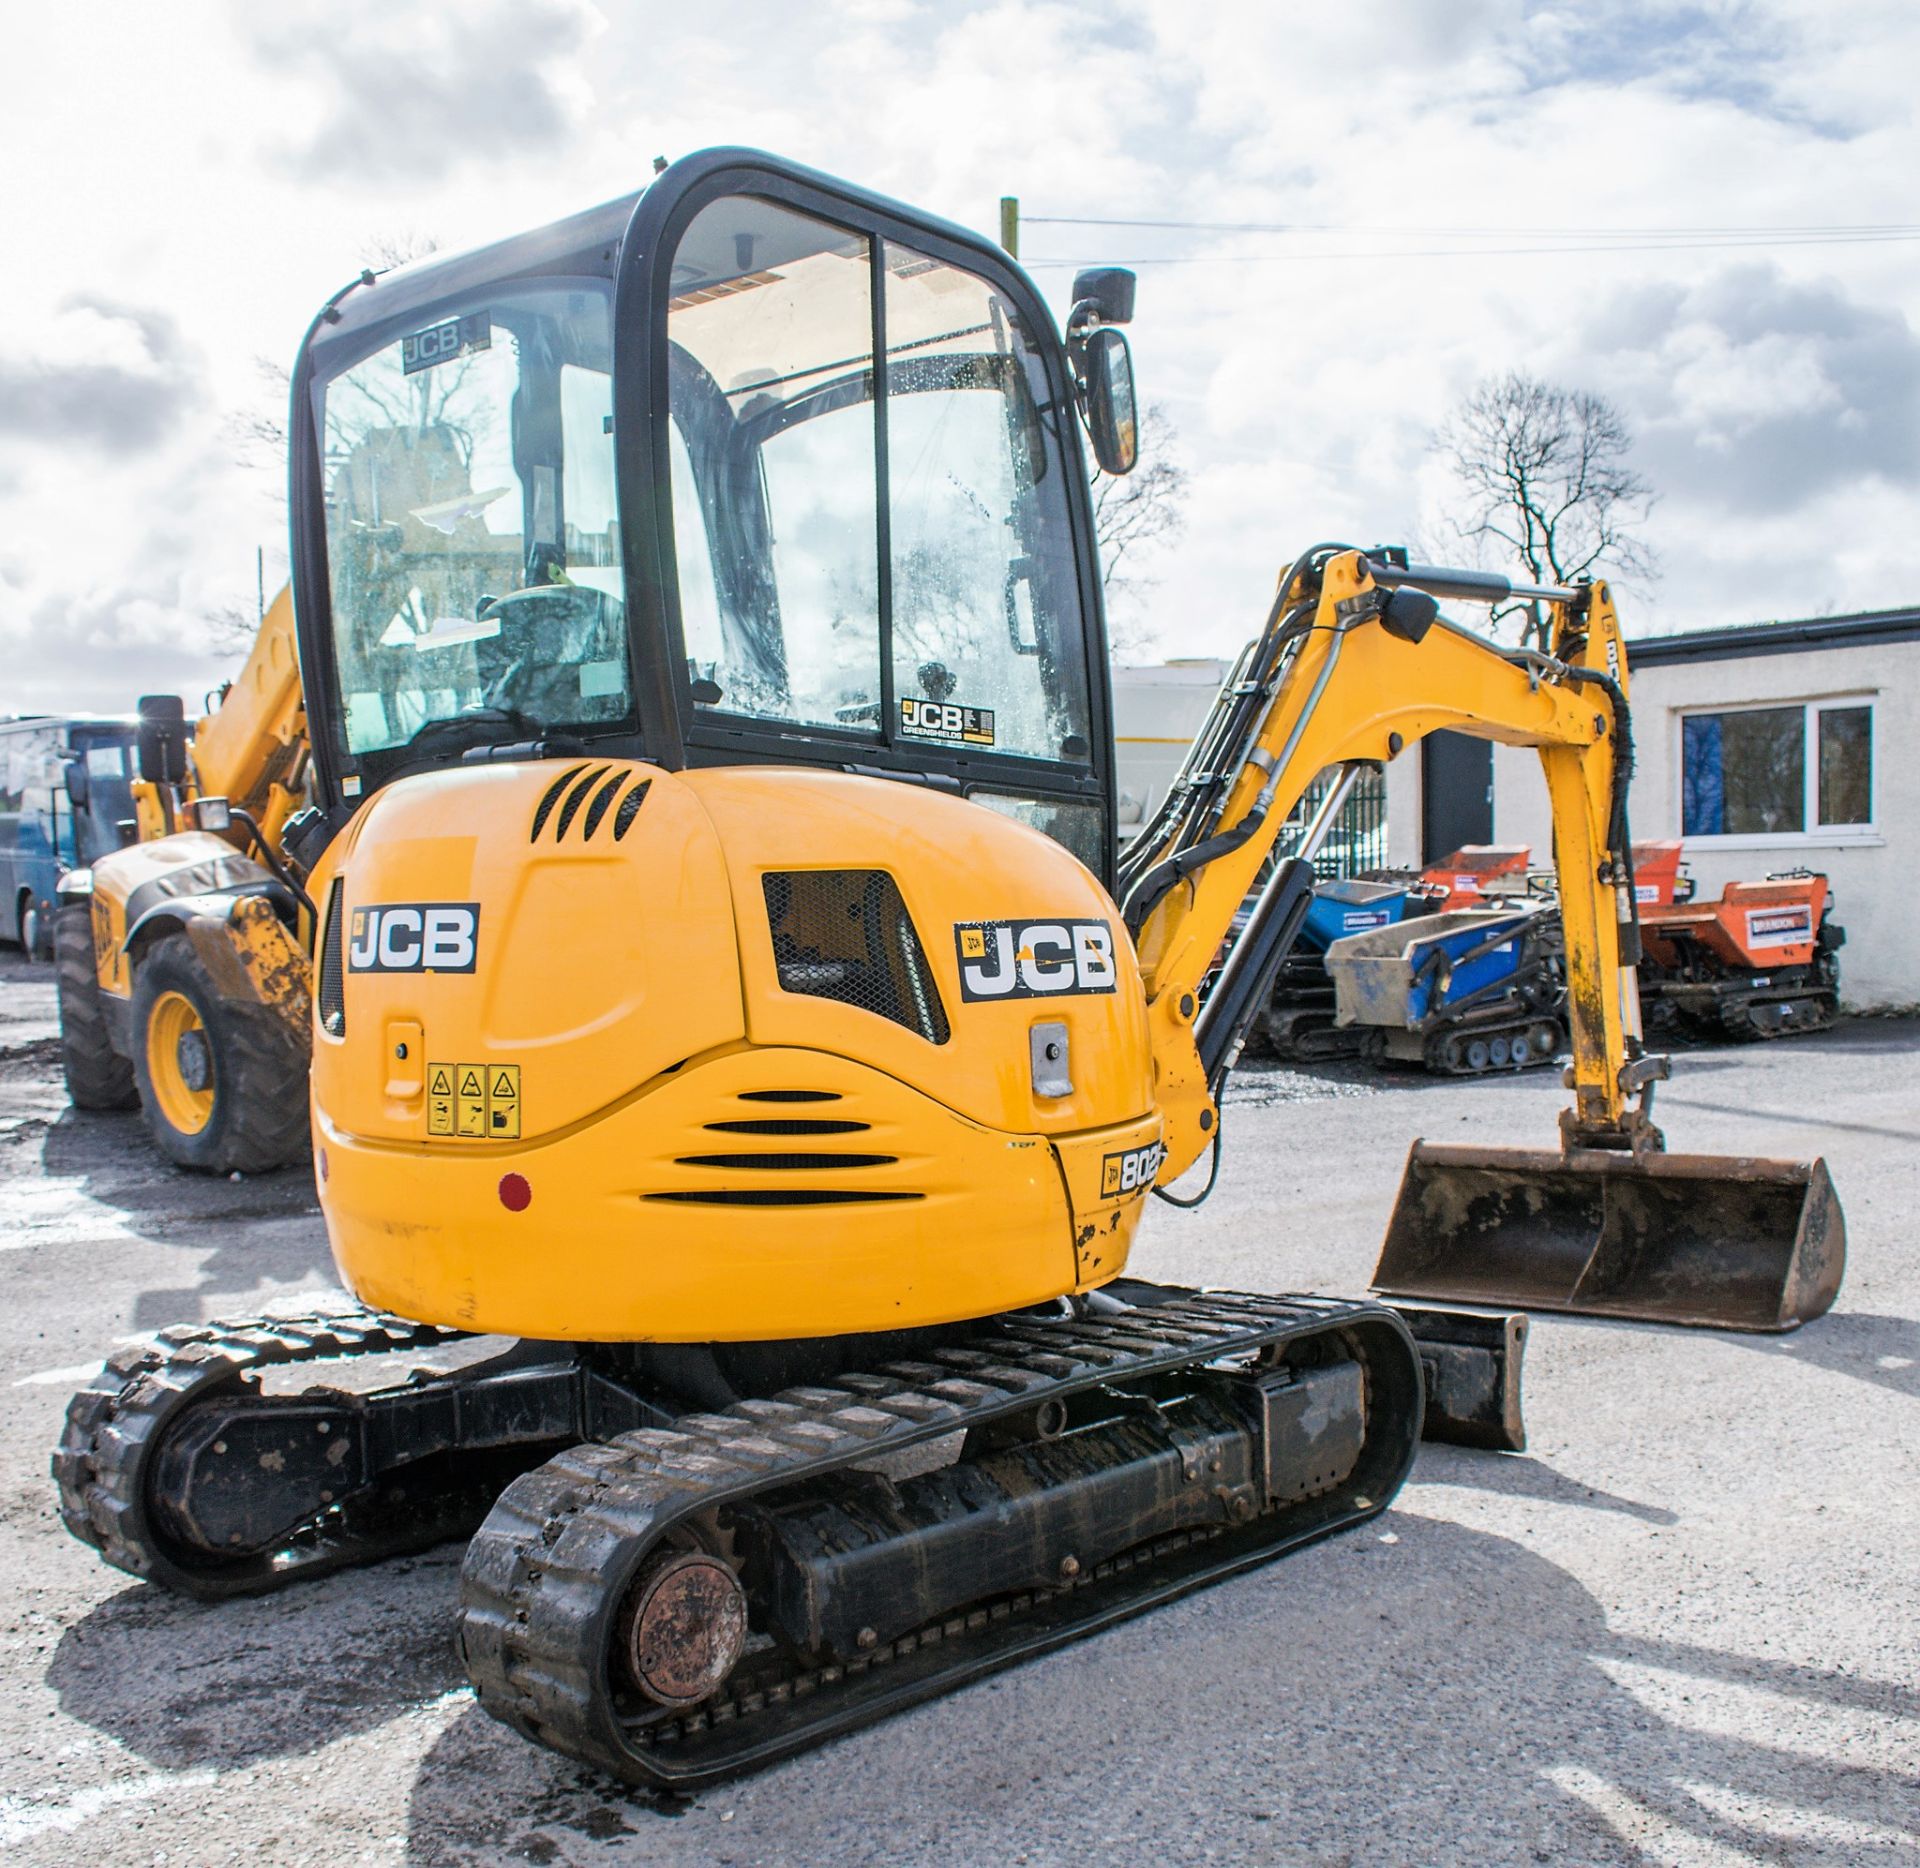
[[873, 524]]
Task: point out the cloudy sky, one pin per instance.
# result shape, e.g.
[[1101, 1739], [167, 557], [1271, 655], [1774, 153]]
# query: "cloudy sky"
[[1592, 193]]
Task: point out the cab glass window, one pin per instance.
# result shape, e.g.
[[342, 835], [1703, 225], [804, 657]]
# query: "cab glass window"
[[987, 630], [774, 455], [806, 566], [472, 538]]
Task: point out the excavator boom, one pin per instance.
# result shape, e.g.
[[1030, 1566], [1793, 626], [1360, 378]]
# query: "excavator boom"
[[1355, 665]]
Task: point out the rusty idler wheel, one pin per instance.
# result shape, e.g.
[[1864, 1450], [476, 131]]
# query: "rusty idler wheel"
[[683, 1628]]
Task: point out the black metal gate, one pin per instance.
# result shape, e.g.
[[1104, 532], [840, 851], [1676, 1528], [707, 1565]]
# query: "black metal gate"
[[1358, 840]]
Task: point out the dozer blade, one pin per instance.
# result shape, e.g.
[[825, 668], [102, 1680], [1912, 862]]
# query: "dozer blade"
[[1726, 1242]]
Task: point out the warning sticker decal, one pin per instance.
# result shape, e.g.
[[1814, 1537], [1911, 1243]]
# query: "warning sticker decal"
[[475, 1102]]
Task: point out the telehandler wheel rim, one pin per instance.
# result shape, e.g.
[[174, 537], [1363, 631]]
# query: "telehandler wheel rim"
[[175, 1023]]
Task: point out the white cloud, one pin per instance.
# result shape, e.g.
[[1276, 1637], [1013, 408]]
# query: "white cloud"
[[229, 167], [409, 95]]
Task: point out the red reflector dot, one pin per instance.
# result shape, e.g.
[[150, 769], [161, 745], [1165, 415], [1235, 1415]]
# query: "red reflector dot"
[[515, 1194]]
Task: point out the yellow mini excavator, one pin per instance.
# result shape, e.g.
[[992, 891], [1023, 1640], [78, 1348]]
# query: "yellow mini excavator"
[[183, 969], [727, 994]]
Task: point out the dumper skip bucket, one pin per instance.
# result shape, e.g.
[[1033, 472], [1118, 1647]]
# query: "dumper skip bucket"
[[1726, 1242]]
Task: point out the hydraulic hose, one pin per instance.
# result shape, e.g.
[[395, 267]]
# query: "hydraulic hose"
[[1630, 949], [1283, 627]]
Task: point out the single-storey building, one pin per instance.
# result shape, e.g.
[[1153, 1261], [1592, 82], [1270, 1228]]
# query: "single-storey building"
[[1765, 748]]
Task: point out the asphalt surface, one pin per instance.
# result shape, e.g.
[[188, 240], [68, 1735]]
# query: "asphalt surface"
[[1684, 1627]]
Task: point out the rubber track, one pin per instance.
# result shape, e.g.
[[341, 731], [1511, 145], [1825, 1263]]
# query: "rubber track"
[[544, 1576], [1737, 1014], [116, 1424], [1436, 1058]]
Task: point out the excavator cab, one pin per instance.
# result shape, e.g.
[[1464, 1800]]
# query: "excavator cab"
[[745, 468]]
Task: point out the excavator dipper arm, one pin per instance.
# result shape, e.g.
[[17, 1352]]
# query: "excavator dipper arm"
[[1365, 670]]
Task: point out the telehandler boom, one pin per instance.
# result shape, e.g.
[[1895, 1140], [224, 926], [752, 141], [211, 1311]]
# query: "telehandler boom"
[[184, 975], [726, 989]]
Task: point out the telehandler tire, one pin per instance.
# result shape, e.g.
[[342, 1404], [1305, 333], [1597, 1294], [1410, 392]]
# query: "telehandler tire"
[[223, 1085], [98, 1077]]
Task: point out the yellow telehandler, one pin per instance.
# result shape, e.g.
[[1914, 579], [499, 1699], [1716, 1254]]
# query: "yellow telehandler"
[[182, 959], [727, 990]]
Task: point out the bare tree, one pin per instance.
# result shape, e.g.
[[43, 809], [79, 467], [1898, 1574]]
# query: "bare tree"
[[397, 246], [1134, 514], [259, 431], [1544, 470]]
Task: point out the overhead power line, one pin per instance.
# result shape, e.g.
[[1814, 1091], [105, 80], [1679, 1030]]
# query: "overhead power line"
[[1428, 232], [1534, 249]]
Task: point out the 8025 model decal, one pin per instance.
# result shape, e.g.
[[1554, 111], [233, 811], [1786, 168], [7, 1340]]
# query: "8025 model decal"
[[1033, 959], [1133, 1171], [414, 937]]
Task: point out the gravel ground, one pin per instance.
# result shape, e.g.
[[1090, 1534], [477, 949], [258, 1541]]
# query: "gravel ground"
[[1684, 1627]]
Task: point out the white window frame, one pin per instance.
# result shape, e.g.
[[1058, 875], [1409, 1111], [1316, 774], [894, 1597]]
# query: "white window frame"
[[1818, 836]]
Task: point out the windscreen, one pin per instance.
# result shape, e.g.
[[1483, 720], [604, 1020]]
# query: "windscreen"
[[472, 534]]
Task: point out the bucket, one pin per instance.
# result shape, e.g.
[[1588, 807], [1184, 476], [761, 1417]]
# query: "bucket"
[[1724, 1242]]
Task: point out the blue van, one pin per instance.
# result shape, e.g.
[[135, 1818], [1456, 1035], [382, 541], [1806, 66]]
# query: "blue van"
[[46, 762]]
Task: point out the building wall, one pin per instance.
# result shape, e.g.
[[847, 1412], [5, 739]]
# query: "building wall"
[[1157, 710], [1874, 871]]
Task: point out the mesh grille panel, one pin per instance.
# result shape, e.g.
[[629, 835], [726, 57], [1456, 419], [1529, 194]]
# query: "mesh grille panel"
[[844, 934], [329, 997]]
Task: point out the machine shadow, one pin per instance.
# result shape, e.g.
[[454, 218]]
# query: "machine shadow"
[[263, 1229], [1311, 1686], [1518, 1475], [1882, 1351], [186, 1685]]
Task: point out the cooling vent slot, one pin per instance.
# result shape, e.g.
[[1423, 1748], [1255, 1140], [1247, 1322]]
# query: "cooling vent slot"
[[574, 798], [329, 996], [598, 808], [776, 1163], [787, 1163], [629, 809], [561, 803], [783, 1196], [550, 800], [844, 934], [787, 1125]]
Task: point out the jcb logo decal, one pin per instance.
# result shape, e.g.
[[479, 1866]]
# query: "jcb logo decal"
[[945, 720], [1132, 1172], [1033, 959], [414, 937]]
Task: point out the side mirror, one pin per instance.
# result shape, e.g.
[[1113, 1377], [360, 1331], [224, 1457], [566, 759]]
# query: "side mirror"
[[1113, 419], [163, 739], [76, 780], [1106, 291]]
